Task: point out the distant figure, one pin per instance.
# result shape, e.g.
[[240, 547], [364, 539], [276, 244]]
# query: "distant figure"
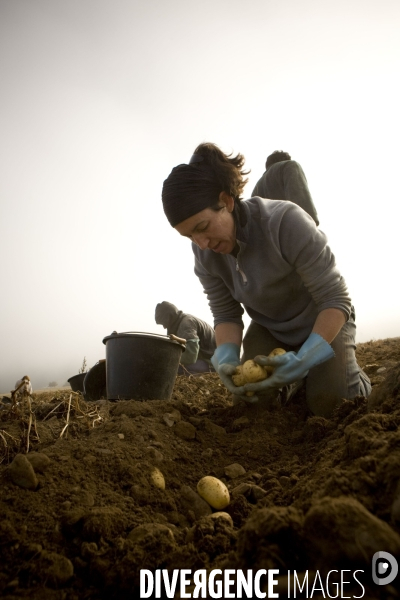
[[23, 388], [284, 179], [199, 336]]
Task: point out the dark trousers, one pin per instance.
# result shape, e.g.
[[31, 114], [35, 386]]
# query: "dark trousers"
[[328, 383]]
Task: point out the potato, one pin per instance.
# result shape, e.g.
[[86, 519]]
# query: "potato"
[[238, 378], [221, 515], [213, 491], [248, 373], [274, 352], [277, 352], [253, 372], [157, 478]]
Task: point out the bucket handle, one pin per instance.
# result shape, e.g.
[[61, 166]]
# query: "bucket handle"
[[142, 333], [172, 339]]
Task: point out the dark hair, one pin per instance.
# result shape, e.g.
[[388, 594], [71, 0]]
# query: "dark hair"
[[191, 188], [228, 171], [277, 156]]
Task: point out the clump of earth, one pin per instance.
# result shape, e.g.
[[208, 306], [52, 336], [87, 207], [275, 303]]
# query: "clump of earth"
[[82, 513]]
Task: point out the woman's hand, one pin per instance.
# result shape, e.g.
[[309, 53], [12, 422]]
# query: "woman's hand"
[[288, 368], [225, 372], [227, 355], [292, 366], [225, 360]]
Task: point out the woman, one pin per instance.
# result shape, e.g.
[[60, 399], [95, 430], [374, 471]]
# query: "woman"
[[268, 256]]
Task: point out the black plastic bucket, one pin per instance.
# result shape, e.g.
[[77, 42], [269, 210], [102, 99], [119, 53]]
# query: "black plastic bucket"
[[76, 382], [141, 366], [95, 382]]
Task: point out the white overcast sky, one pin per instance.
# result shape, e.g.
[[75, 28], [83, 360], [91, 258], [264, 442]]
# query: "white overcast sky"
[[100, 99]]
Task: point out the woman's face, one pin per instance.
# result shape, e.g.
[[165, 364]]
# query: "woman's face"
[[210, 229]]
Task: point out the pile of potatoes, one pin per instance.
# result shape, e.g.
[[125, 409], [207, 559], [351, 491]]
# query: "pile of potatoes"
[[251, 372]]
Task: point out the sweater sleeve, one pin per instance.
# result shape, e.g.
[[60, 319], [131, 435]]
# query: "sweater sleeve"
[[187, 328], [305, 247], [189, 357]]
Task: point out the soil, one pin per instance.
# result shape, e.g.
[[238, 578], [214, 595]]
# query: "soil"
[[82, 512]]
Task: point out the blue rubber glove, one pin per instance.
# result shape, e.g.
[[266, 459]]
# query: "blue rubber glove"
[[225, 360], [292, 366]]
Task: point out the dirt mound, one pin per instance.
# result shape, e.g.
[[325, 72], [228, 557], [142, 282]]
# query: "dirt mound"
[[82, 512]]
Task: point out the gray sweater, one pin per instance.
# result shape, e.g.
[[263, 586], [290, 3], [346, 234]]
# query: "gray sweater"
[[284, 274], [285, 180]]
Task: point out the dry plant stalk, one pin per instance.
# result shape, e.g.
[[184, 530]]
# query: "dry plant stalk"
[[68, 413], [13, 398], [59, 404], [90, 415], [19, 413], [55, 408], [31, 420], [188, 373], [29, 425], [6, 446]]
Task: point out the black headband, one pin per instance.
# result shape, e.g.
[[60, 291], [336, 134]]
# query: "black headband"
[[189, 189], [196, 158]]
